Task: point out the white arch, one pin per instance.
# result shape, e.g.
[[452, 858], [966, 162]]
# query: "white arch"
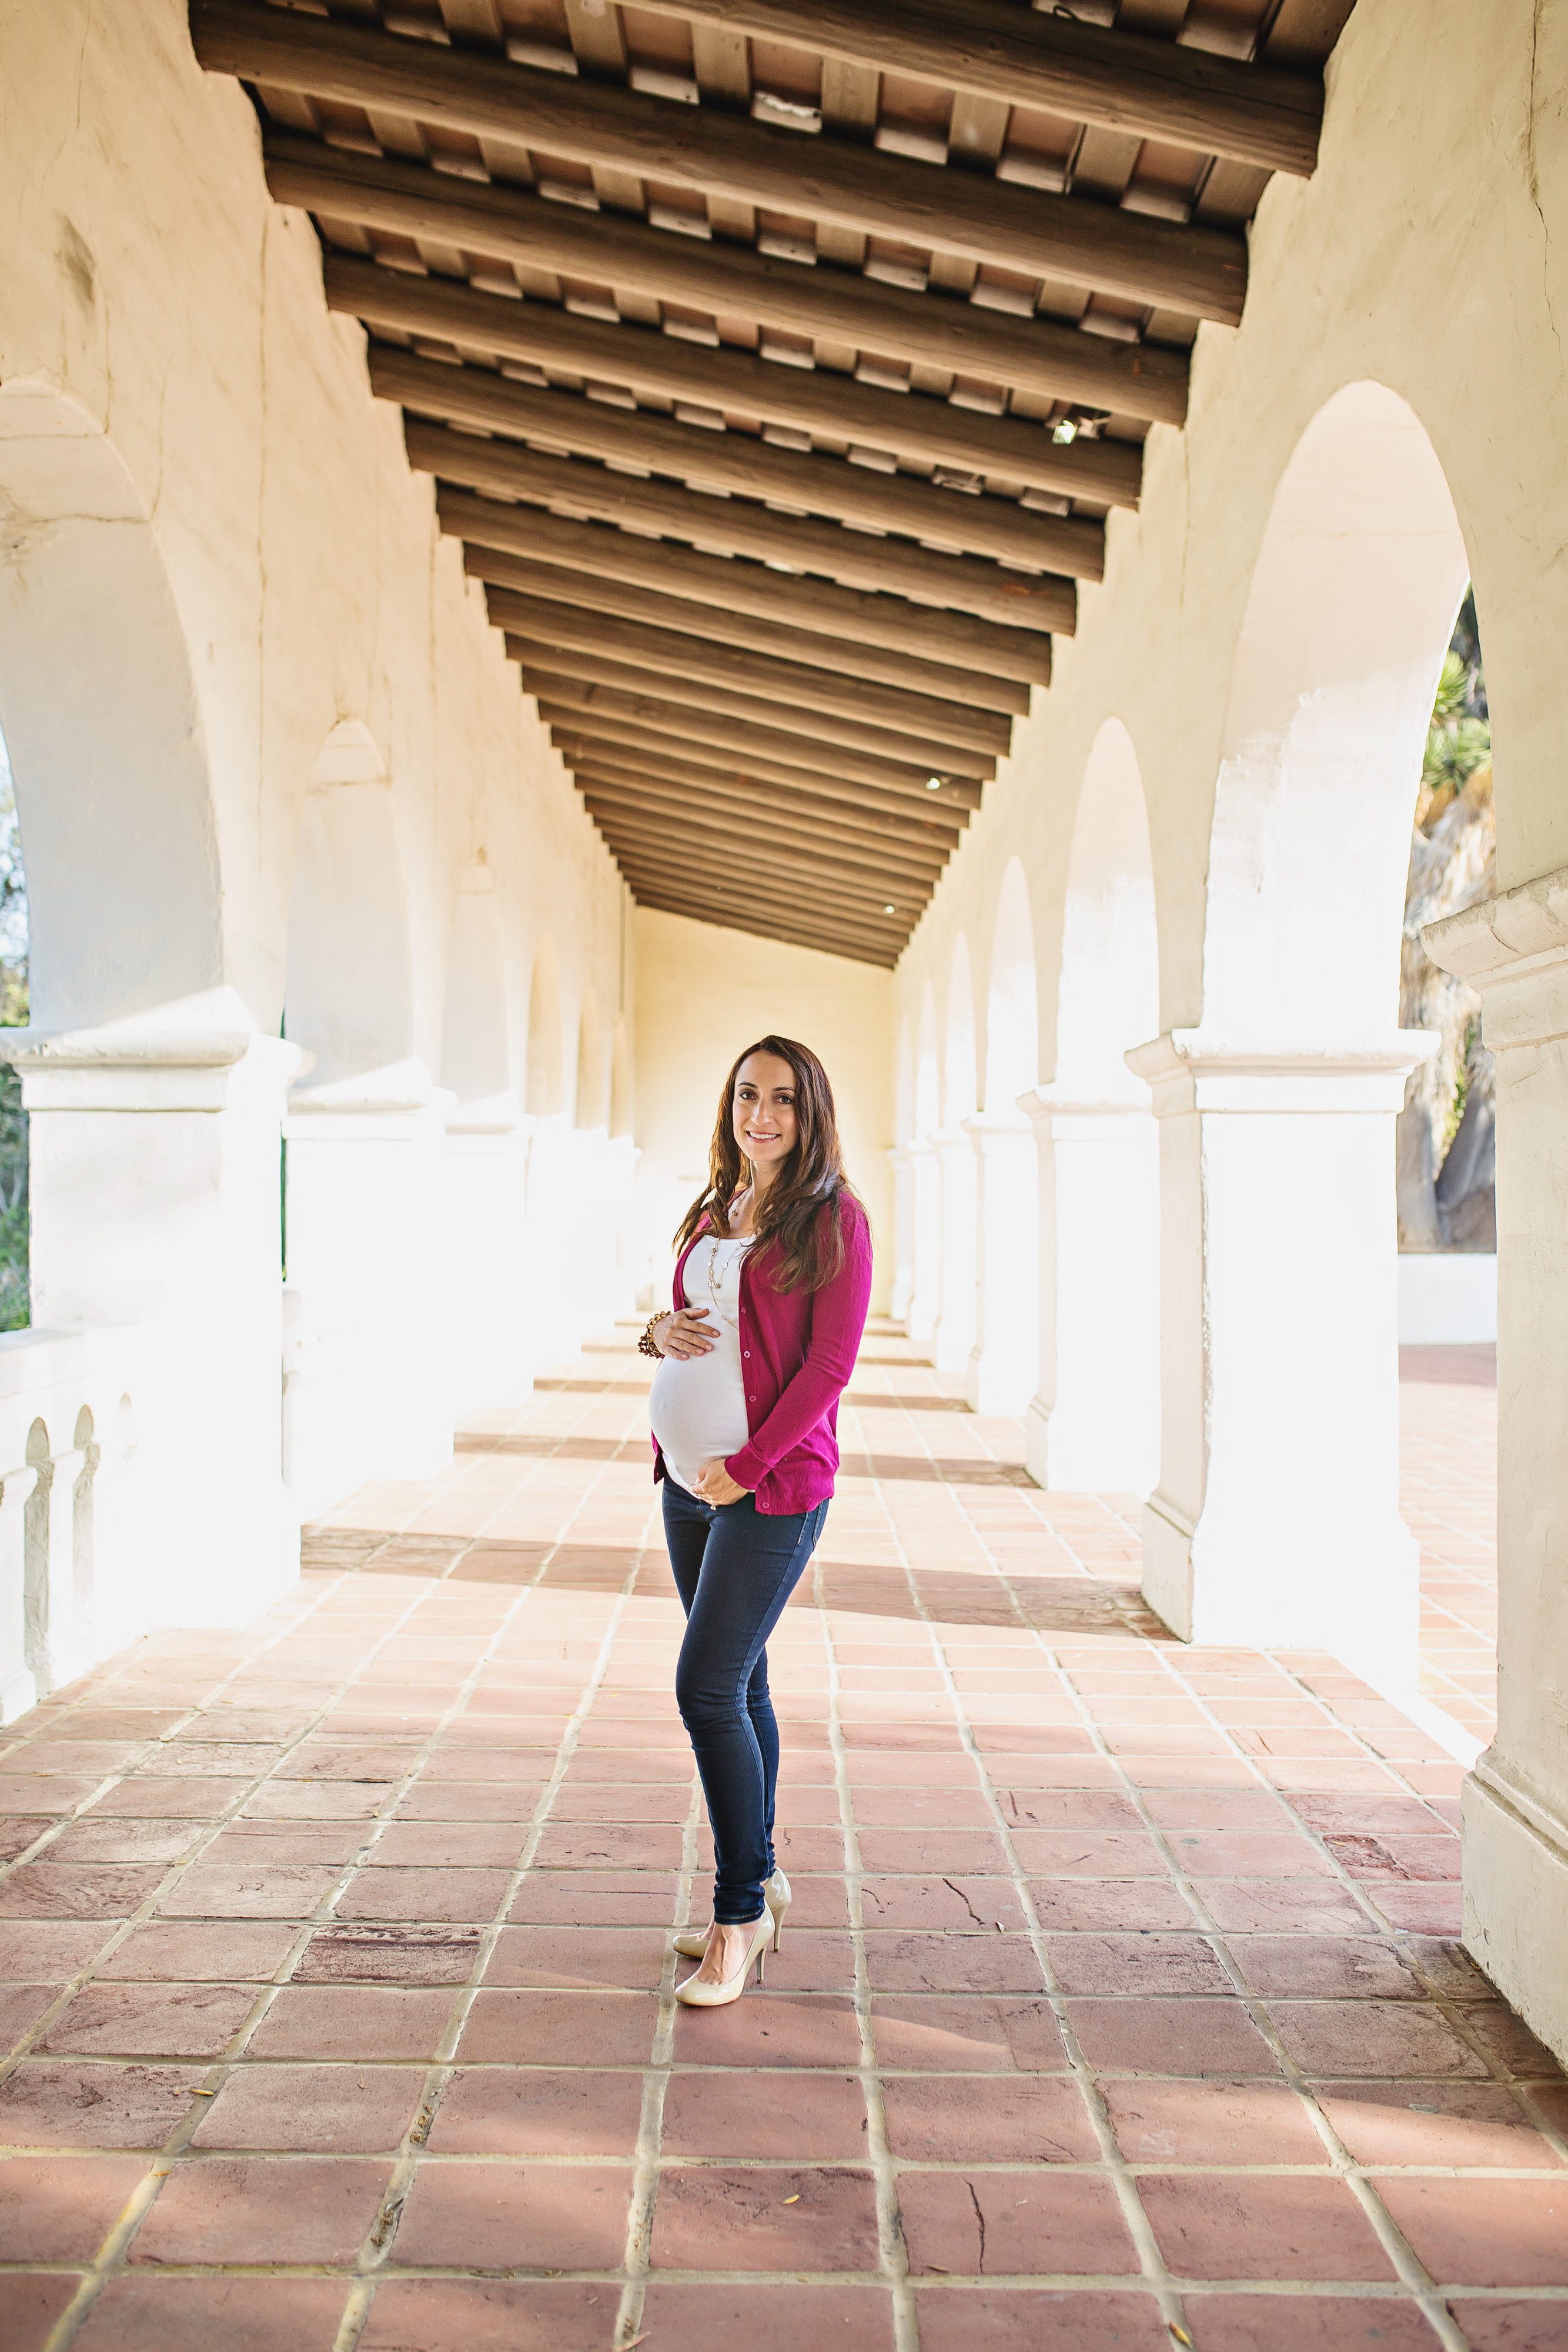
[[927, 1074], [100, 713], [590, 1109], [1280, 1289], [1361, 571], [925, 1210]]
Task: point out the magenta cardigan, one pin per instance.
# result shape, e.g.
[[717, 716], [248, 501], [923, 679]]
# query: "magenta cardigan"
[[797, 1348]]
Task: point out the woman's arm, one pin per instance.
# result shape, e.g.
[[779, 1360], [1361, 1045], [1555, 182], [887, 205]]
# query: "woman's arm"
[[837, 1319]]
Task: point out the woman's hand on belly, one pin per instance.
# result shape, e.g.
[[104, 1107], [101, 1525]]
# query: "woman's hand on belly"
[[683, 1334], [714, 1484]]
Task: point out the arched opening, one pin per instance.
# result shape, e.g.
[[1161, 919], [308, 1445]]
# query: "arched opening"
[[1095, 1423], [1279, 1280], [954, 1333], [104, 731], [1005, 1360], [623, 1095]]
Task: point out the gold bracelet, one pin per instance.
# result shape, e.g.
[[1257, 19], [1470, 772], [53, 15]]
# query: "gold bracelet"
[[645, 1344]]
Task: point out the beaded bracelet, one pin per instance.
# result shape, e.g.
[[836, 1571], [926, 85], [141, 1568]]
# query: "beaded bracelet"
[[645, 1343]]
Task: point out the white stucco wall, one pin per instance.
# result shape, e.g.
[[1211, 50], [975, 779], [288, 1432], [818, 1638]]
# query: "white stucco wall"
[[703, 993]]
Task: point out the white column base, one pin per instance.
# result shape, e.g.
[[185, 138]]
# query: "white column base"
[[1516, 1901], [954, 1333]]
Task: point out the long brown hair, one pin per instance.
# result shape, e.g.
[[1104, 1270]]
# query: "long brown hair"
[[808, 1247]]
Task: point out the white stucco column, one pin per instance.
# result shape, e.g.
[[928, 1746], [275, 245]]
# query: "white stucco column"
[[154, 1167], [1094, 1425], [485, 1195], [363, 1237], [623, 1158], [1276, 1520], [903, 1231], [1004, 1360], [925, 1184], [953, 1335], [1514, 953]]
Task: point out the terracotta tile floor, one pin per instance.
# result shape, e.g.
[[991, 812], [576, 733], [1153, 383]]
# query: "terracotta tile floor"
[[1120, 2004], [1448, 1458]]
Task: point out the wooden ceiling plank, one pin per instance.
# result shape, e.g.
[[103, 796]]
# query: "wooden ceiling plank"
[[815, 400], [750, 874], [674, 815], [822, 871], [739, 464], [616, 599], [506, 223], [673, 654], [1200, 270], [735, 591], [969, 584], [766, 753], [878, 816], [1085, 72], [626, 771], [848, 946], [544, 668]]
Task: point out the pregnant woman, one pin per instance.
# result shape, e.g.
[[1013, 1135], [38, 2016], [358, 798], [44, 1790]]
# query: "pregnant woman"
[[770, 1295]]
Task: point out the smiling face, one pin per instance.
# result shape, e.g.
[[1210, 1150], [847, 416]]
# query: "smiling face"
[[766, 1125]]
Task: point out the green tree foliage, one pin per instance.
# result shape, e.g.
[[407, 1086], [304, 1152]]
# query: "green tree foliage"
[[16, 1311]]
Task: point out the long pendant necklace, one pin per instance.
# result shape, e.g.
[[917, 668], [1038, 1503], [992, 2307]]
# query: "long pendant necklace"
[[713, 1288]]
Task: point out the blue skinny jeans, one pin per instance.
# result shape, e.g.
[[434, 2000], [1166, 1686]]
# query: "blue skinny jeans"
[[735, 1568]]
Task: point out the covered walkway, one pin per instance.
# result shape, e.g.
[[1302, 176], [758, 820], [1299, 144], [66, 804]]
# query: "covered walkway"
[[1120, 2003]]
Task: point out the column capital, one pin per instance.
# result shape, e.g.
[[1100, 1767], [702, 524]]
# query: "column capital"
[[1514, 951], [1043, 1106], [149, 1065], [397, 1101], [1197, 1070], [490, 1115], [991, 1130]]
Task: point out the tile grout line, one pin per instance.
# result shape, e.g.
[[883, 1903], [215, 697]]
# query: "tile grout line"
[[892, 2253], [1155, 2273]]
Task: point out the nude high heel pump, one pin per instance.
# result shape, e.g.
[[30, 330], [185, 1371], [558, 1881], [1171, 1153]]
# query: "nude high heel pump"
[[693, 1941], [696, 1994]]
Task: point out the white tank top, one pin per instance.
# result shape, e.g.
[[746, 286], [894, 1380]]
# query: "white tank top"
[[698, 1408]]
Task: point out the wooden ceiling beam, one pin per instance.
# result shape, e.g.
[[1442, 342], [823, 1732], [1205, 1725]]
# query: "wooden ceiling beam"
[[768, 753], [546, 586], [813, 400], [737, 590], [546, 668], [506, 469], [825, 848], [1176, 266], [671, 653], [773, 861], [1184, 97], [749, 873], [681, 788], [823, 939], [741, 465], [499, 222]]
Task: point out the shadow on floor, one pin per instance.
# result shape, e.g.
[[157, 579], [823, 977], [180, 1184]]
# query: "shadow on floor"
[[1049, 1604]]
